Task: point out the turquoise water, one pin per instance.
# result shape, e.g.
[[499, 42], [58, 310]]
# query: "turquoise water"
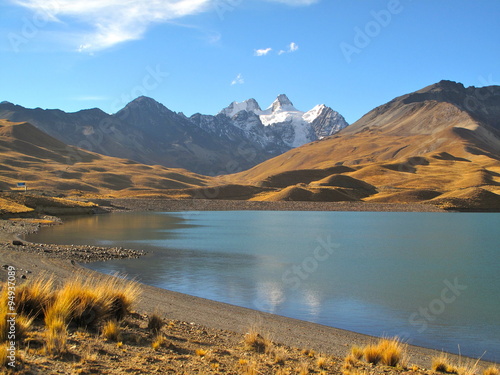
[[431, 278]]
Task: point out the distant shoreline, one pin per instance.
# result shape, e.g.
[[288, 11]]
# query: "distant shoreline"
[[152, 204]]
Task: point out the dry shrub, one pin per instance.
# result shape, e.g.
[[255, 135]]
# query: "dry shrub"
[[155, 323], [256, 342], [111, 331]]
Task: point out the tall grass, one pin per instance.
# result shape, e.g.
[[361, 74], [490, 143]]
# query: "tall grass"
[[87, 302], [34, 297], [389, 352]]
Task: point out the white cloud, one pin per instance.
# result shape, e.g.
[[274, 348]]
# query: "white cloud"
[[95, 25], [262, 52], [113, 21], [291, 48], [239, 80]]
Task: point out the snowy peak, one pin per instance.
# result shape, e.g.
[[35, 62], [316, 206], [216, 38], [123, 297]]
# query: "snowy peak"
[[314, 113], [282, 103], [282, 123], [249, 105]]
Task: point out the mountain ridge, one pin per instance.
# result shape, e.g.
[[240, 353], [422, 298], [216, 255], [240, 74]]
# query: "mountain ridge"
[[148, 132]]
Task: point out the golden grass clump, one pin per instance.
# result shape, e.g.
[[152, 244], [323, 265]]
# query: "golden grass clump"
[[22, 325], [256, 342], [111, 331], [442, 364], [303, 369], [119, 295], [322, 362], [34, 297], [158, 342], [85, 303], [491, 370], [155, 323], [388, 352], [79, 303], [4, 354], [56, 335], [201, 352]]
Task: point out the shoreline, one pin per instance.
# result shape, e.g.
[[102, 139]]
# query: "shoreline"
[[217, 315], [143, 204]]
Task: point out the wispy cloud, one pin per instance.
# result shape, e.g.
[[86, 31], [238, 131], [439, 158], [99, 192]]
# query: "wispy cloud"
[[239, 80], [113, 21], [291, 48], [99, 24], [262, 52]]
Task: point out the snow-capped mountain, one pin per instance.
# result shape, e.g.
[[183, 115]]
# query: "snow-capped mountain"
[[282, 122]]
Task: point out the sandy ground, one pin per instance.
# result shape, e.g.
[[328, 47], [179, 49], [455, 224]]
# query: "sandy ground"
[[64, 262]]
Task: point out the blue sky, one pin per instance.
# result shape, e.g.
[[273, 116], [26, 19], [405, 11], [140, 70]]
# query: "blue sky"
[[200, 55]]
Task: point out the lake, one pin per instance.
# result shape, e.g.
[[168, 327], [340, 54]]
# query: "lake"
[[430, 278]]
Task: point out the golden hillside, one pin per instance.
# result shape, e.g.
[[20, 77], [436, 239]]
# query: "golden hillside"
[[419, 147], [44, 163]]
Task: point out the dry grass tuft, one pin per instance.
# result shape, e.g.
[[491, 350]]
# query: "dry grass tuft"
[[357, 352], [388, 352], [373, 354], [158, 342], [155, 323], [492, 370], [201, 352], [119, 295], [79, 303], [322, 362], [256, 342], [4, 353], [111, 331], [34, 297], [442, 364], [56, 336], [279, 357], [303, 368]]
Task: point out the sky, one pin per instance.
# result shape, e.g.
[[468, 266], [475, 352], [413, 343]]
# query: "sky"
[[200, 55]]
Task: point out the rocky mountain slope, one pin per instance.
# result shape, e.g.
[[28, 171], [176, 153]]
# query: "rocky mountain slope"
[[148, 132]]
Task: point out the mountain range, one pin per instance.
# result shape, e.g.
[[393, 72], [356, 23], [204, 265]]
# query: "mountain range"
[[439, 145], [239, 137]]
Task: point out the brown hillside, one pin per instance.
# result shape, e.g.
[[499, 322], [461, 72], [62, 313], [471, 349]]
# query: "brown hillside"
[[44, 163], [414, 148]]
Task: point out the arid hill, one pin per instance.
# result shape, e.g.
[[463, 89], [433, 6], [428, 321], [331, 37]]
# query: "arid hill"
[[46, 164], [438, 145]]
